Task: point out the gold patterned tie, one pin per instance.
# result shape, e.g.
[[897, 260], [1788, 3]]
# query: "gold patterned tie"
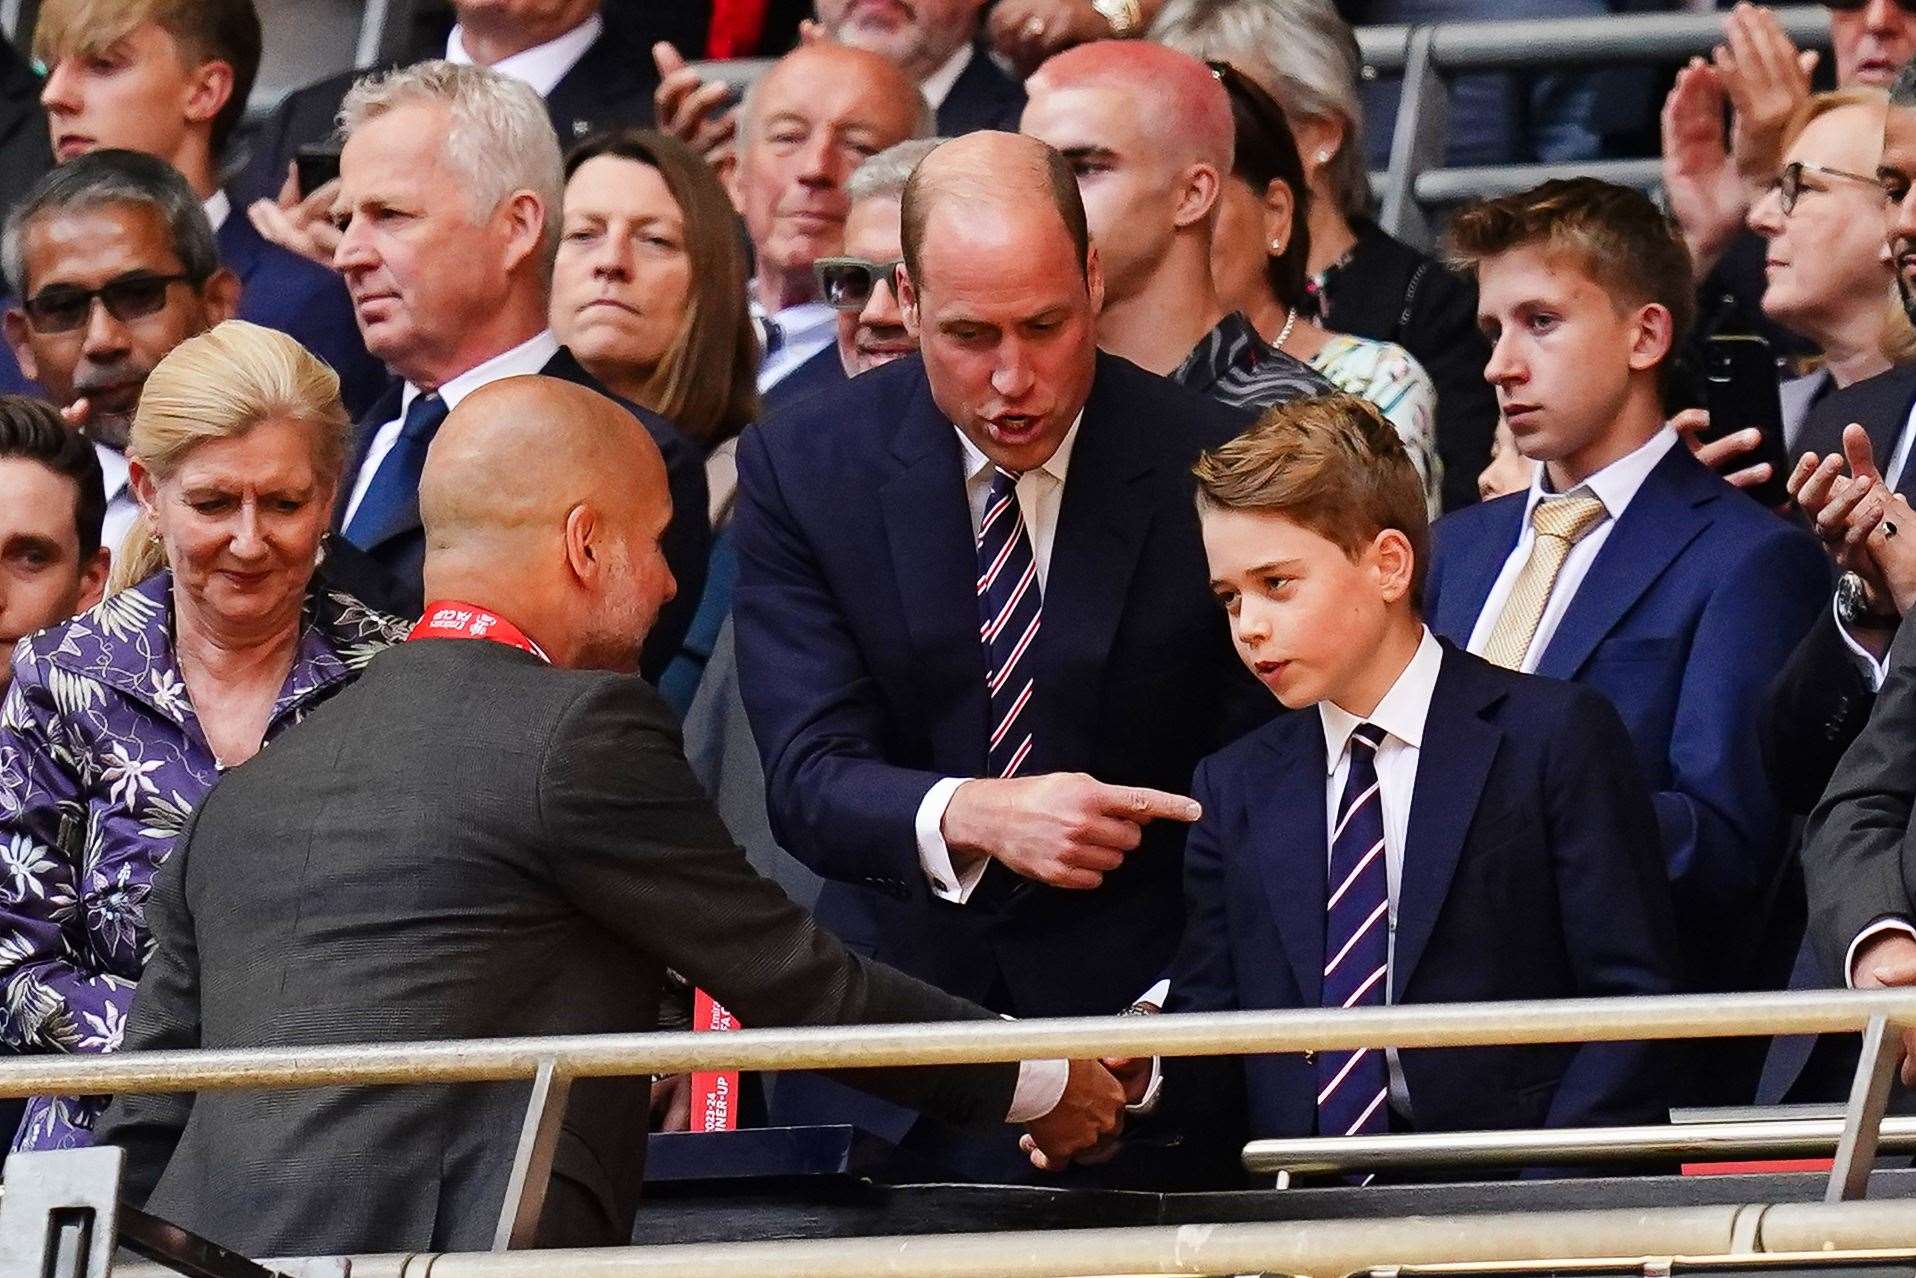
[[1560, 522]]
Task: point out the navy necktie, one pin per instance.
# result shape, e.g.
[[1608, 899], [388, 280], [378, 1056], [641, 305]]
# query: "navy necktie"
[[1010, 606], [1353, 1087], [395, 487]]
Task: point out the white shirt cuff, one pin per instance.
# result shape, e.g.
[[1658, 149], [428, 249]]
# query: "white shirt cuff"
[[947, 883], [1156, 995], [1873, 670], [1873, 930], [1040, 1087]]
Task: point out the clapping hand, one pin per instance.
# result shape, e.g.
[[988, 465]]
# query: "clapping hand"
[[1707, 196], [1768, 80]]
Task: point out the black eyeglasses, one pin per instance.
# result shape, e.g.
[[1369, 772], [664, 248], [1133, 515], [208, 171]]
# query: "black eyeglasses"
[[62, 308], [847, 282], [1789, 183]]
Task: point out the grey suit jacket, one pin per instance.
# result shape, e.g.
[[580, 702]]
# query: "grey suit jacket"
[[465, 844], [1858, 862]]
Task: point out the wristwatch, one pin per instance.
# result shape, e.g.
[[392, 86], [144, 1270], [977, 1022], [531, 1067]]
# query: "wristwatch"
[[1125, 16], [1853, 604]]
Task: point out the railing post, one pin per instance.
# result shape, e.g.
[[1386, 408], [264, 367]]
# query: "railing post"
[[1863, 1116], [532, 1161]]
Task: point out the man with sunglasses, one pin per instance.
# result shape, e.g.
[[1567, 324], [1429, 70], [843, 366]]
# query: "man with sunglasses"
[[112, 263]]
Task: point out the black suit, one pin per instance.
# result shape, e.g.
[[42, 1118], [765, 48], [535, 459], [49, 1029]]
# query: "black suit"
[[464, 844], [401, 551], [822, 372], [1821, 698], [982, 97], [856, 615], [611, 85], [25, 153]]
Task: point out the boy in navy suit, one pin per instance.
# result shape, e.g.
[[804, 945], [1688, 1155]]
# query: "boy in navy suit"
[[1424, 827], [1627, 566]]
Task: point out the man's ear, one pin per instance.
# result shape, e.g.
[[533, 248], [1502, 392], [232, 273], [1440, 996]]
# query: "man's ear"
[[583, 556], [209, 89], [908, 301], [221, 295], [14, 322], [1198, 199], [1653, 335], [1094, 279], [93, 577], [525, 227]]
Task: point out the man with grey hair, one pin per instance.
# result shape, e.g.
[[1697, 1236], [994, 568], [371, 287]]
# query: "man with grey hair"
[[111, 263], [811, 119], [448, 211]]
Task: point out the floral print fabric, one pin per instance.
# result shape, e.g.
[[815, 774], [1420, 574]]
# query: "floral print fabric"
[[102, 760]]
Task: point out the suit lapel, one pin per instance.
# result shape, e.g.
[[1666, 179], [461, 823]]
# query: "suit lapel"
[[1292, 845], [1453, 765], [1106, 511], [1480, 562], [239, 245], [935, 563], [1660, 521]]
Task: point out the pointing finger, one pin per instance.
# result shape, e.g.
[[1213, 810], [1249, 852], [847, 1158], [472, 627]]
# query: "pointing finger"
[[1141, 803]]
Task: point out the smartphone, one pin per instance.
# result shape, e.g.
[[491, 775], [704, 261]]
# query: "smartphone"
[[1740, 390], [316, 164]]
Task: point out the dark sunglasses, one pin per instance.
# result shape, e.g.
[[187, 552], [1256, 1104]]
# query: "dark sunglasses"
[[62, 308], [1789, 183], [846, 283]]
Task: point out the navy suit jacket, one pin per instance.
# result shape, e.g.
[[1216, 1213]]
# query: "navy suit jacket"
[[857, 621], [1692, 605], [304, 300], [401, 548], [982, 97], [1531, 870]]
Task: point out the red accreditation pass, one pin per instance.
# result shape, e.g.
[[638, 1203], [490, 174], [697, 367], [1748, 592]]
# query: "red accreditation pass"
[[714, 1093], [452, 619]]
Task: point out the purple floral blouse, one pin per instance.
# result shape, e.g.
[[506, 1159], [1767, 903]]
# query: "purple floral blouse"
[[101, 762]]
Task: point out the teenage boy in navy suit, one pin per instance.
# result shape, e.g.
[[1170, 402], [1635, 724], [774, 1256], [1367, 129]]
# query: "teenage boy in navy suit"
[[1425, 827], [1627, 566]]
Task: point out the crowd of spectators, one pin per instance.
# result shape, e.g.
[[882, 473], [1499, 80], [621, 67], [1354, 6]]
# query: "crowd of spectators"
[[982, 522]]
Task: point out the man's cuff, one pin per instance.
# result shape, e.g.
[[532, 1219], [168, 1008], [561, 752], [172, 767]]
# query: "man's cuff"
[[1873, 670], [947, 882], [1040, 1087], [1148, 1103], [1868, 934]]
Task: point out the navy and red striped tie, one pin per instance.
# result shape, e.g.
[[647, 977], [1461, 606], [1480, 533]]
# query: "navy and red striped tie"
[[1010, 606], [1353, 1087]]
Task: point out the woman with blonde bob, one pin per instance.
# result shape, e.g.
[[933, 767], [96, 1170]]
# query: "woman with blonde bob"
[[212, 640]]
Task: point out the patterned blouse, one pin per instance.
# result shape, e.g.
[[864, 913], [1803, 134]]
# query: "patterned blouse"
[[101, 762], [1385, 374]]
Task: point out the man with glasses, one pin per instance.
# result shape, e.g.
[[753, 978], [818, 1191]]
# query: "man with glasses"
[[112, 264]]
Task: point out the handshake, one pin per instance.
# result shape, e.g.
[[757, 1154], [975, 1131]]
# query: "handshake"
[[1085, 1124]]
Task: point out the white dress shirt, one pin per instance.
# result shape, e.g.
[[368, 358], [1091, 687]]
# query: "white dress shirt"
[[1615, 486], [219, 207], [1040, 492], [804, 330], [543, 65], [528, 357], [122, 508], [937, 86], [1400, 714]]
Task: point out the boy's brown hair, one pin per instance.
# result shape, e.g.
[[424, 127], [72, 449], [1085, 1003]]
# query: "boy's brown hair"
[[205, 30], [1623, 241], [1330, 463]]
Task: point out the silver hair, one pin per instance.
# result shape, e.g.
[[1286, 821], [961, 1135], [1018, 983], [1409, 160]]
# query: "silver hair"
[[1303, 55], [924, 125], [500, 138], [1902, 92], [113, 177], [883, 177]]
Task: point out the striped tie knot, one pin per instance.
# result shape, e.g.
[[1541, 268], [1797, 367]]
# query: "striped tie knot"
[[1367, 735], [1569, 518]]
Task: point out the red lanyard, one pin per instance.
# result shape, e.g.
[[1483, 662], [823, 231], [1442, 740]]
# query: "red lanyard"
[[450, 619]]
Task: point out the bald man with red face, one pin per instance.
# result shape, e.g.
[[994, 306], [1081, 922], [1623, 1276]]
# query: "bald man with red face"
[[1148, 131]]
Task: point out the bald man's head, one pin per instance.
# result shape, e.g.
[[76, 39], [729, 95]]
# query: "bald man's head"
[[1182, 108], [990, 170], [545, 501]]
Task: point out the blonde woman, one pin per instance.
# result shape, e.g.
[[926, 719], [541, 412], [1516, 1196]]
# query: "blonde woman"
[[212, 642]]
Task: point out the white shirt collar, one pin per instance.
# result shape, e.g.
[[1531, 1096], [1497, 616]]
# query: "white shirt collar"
[[976, 463], [113, 469], [1616, 484], [219, 207], [937, 86], [1400, 713], [543, 65], [527, 357]]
